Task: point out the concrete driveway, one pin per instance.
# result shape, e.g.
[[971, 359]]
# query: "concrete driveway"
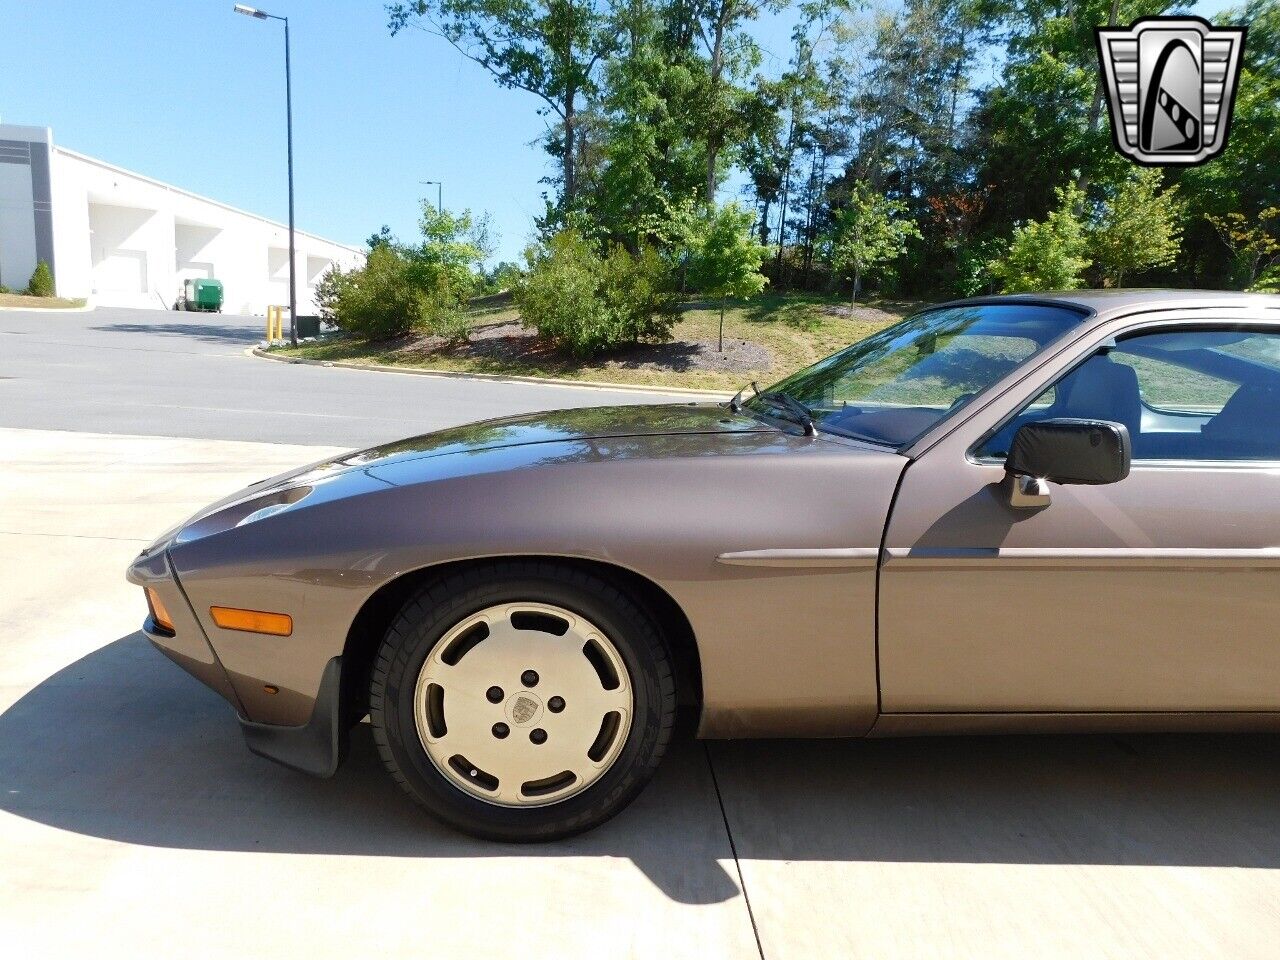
[[134, 824]]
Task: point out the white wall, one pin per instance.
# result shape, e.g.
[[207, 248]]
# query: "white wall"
[[124, 239]]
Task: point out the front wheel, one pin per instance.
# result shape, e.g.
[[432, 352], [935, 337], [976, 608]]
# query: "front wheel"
[[523, 701]]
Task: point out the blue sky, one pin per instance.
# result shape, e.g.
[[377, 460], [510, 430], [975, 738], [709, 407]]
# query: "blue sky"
[[190, 93]]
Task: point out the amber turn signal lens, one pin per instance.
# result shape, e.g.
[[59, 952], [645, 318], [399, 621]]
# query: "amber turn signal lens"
[[159, 614], [252, 621]]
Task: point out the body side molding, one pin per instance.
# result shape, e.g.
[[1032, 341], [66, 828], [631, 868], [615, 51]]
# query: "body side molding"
[[920, 558], [803, 557]]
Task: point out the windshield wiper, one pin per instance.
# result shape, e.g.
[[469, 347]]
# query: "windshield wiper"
[[735, 403], [799, 412]]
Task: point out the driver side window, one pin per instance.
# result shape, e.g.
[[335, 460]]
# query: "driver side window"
[[1204, 395]]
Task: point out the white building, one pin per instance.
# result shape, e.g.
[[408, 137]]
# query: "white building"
[[121, 239]]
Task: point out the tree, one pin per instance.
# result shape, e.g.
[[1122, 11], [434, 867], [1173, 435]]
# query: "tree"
[[1255, 247], [1045, 122], [730, 53], [503, 277], [642, 171], [809, 101], [761, 155], [1243, 179], [953, 217], [383, 236], [1267, 282], [41, 283], [1138, 227], [726, 258], [868, 232], [449, 257], [912, 97], [550, 48], [1048, 254]]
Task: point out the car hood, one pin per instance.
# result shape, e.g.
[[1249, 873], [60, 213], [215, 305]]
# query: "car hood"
[[507, 443], [550, 426]]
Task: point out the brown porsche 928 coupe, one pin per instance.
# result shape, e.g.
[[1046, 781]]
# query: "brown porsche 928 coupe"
[[1023, 513]]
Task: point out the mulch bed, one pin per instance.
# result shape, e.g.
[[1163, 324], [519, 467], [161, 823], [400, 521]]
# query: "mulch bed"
[[509, 342]]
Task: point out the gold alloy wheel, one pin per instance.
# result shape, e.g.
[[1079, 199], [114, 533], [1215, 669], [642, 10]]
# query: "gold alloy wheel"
[[523, 704]]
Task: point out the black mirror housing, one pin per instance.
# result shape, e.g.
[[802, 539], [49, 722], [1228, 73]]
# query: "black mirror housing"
[[1071, 451]]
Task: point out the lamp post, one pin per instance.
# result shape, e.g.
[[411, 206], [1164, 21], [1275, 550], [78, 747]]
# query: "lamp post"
[[288, 113], [439, 192]]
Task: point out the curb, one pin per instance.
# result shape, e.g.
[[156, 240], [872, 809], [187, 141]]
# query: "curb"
[[497, 377], [85, 309]]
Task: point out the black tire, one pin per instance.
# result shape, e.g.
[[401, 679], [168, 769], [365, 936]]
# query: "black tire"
[[438, 606]]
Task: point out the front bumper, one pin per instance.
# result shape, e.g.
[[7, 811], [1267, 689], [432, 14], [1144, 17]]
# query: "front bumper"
[[315, 747], [186, 645]]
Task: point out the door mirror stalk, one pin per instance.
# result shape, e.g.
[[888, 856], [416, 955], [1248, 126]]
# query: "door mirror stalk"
[[1027, 493]]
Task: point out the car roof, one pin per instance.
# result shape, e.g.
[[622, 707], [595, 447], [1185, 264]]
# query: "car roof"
[[1106, 304]]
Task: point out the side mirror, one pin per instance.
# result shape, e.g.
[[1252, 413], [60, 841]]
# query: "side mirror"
[[1065, 451]]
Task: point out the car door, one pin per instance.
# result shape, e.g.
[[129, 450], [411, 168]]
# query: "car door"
[[1157, 593]]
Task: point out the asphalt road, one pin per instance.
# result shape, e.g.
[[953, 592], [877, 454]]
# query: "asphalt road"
[[156, 373]]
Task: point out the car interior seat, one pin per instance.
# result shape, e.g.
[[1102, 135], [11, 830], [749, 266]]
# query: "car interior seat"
[[1101, 389], [1247, 426]]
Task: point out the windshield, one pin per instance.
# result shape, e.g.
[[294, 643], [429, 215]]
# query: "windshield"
[[896, 384]]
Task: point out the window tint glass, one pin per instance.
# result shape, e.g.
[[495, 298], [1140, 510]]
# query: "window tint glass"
[[896, 384], [1166, 386], [1209, 395]]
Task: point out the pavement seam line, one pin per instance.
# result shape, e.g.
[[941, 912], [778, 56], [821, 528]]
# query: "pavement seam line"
[[73, 536], [733, 849]]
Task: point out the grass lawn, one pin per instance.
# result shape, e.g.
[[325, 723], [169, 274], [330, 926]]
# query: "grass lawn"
[[764, 340], [39, 303]]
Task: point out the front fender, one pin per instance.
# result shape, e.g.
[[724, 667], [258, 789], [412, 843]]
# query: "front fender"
[[782, 649]]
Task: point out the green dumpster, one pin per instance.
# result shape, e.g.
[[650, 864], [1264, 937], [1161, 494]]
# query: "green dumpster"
[[202, 293]]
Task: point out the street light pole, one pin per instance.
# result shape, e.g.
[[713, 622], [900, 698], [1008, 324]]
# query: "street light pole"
[[439, 185], [293, 257], [288, 113]]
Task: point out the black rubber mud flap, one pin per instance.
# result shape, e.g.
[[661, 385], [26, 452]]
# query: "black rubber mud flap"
[[318, 746]]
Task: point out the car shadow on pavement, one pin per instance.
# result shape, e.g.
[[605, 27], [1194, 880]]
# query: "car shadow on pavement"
[[194, 330], [123, 745]]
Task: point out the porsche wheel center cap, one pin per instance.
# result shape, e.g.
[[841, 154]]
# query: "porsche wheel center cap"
[[523, 708]]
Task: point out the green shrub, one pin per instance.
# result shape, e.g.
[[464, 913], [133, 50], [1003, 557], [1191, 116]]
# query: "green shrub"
[[4, 289], [443, 316], [638, 292], [405, 288], [973, 274], [586, 304], [41, 284], [1268, 281], [559, 295], [376, 302], [1048, 254]]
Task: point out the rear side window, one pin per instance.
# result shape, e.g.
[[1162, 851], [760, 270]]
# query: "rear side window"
[[1198, 395], [1166, 386]]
